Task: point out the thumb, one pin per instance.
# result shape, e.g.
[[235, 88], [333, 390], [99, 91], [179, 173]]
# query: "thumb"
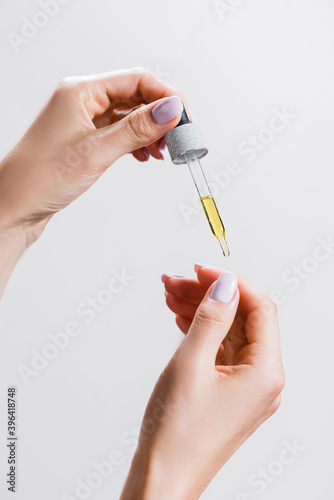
[[140, 128], [214, 316]]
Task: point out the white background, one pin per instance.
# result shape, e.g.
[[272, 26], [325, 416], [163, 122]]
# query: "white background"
[[234, 69]]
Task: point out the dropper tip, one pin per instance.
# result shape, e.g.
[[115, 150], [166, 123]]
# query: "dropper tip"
[[224, 247]]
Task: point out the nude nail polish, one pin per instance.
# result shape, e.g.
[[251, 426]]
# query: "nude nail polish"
[[167, 110], [224, 288]]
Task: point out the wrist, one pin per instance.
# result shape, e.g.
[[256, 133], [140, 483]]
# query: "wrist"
[[15, 197], [20, 223]]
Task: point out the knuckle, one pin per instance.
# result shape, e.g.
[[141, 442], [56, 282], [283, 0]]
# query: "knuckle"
[[67, 85], [142, 70], [207, 315], [202, 318], [149, 78], [275, 382], [274, 406], [140, 127], [268, 307]]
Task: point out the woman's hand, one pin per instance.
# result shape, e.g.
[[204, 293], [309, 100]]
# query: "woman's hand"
[[223, 382], [86, 126]]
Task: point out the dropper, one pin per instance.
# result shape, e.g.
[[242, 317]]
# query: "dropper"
[[186, 145]]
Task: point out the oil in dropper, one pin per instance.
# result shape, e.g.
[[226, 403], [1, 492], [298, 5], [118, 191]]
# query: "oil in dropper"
[[216, 224], [207, 200]]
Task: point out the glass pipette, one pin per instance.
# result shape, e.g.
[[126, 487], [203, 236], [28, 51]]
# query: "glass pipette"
[[207, 200], [186, 145]]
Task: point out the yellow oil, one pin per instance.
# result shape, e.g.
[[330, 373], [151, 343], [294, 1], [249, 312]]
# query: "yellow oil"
[[216, 224]]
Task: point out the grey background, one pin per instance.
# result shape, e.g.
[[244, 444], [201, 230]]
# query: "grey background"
[[235, 69]]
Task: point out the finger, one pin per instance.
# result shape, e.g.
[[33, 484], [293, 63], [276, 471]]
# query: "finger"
[[261, 328], [163, 149], [214, 317], [251, 297], [156, 150], [260, 316], [180, 307], [141, 155], [276, 404], [206, 275], [184, 289], [128, 88], [112, 115], [234, 342], [183, 323], [262, 334], [138, 129]]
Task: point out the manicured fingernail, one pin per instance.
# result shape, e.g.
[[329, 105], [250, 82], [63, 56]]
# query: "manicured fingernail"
[[166, 293], [224, 288], [197, 267], [166, 277], [146, 153], [163, 148], [167, 110]]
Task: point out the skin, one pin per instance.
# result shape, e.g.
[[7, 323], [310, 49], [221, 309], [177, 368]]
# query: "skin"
[[86, 126], [223, 382], [226, 377]]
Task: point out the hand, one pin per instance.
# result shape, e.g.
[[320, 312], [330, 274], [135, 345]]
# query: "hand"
[[86, 126], [223, 382]]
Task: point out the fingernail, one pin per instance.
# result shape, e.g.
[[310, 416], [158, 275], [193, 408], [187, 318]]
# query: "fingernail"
[[146, 153], [166, 293], [166, 277], [163, 148], [224, 288], [197, 267], [167, 110]]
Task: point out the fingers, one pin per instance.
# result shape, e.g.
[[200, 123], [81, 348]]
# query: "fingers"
[[183, 323], [124, 111], [214, 318], [141, 155], [130, 87], [186, 289], [250, 295], [181, 307], [144, 126], [113, 115], [157, 149], [130, 110], [259, 314], [126, 91], [206, 275], [252, 339], [261, 325]]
